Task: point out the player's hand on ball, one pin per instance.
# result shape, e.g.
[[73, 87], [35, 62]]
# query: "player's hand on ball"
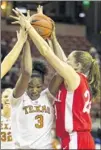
[[40, 9], [28, 14]]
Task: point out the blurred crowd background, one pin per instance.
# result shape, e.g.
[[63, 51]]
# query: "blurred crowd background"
[[78, 27]]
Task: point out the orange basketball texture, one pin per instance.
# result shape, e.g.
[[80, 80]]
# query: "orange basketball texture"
[[42, 24]]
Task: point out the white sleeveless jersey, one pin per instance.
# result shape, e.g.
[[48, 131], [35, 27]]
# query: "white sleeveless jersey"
[[6, 134], [32, 122]]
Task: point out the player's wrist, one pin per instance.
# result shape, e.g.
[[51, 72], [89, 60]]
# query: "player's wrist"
[[54, 39], [27, 25]]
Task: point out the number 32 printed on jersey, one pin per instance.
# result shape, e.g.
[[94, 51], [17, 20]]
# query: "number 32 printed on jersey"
[[87, 105], [6, 137]]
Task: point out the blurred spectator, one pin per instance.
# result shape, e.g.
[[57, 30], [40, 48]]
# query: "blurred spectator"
[[3, 49], [95, 54], [12, 43]]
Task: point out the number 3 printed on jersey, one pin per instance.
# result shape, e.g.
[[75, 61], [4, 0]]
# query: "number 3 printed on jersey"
[[87, 105], [39, 119]]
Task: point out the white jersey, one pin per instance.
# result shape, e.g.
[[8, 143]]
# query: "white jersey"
[[32, 122], [6, 134]]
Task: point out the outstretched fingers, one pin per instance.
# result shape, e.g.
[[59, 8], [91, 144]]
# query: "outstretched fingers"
[[28, 14], [16, 18], [16, 12], [20, 14], [15, 22], [40, 9]]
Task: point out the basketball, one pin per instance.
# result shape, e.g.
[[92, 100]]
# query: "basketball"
[[42, 24]]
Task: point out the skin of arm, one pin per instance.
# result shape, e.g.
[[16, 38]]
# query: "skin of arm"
[[56, 46], [70, 76], [26, 71], [10, 59], [56, 79], [63, 69]]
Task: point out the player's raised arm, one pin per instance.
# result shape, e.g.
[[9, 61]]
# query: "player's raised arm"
[[26, 71], [56, 79], [12, 56], [56, 46], [70, 76], [57, 49]]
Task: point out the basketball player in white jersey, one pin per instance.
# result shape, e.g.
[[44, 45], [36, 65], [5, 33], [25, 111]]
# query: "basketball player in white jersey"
[[32, 112], [6, 133]]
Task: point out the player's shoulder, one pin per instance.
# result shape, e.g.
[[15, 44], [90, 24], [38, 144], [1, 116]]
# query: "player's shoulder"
[[48, 96], [83, 76], [15, 102], [44, 92], [83, 82]]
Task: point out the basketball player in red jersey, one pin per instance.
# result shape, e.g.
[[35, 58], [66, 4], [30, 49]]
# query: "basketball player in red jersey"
[[81, 78]]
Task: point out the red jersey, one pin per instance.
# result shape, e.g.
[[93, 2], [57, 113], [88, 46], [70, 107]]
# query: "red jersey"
[[73, 108]]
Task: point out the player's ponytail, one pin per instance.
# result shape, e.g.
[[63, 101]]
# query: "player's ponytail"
[[94, 78]]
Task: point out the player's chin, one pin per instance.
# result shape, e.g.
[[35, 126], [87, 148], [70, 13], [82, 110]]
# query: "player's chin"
[[7, 106], [34, 97]]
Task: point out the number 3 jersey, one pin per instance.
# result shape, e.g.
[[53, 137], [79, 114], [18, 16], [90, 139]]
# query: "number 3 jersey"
[[6, 133], [73, 108], [32, 121]]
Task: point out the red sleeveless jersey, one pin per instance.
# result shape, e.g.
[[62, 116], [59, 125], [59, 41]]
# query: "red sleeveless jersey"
[[72, 109]]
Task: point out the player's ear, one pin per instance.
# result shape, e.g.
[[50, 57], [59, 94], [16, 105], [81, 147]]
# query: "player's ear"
[[78, 66]]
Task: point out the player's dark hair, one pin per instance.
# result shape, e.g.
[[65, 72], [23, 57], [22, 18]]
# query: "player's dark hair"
[[39, 69]]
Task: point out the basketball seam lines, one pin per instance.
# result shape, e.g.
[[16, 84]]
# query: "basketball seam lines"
[[45, 34], [41, 26]]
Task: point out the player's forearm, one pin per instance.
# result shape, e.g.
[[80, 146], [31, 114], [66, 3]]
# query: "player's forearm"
[[10, 59], [50, 44], [39, 42], [44, 48], [27, 60], [61, 67], [58, 49]]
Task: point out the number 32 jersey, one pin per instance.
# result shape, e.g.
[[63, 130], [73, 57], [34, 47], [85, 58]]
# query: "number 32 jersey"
[[32, 122], [6, 133], [73, 108]]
